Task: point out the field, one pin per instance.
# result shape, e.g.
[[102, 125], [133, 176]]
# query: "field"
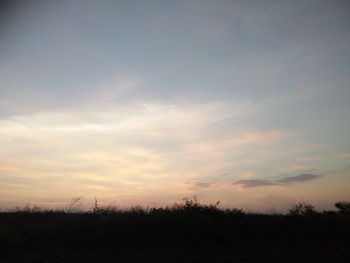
[[187, 232]]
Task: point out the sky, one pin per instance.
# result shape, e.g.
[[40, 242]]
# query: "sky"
[[148, 102]]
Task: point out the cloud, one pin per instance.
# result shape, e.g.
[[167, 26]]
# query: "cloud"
[[239, 140], [201, 185], [284, 181], [254, 182], [299, 178]]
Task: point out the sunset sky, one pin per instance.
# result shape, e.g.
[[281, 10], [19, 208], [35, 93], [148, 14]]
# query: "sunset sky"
[[147, 102]]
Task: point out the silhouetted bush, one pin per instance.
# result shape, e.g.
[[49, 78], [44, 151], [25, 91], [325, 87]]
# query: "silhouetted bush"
[[302, 208], [194, 205], [343, 207]]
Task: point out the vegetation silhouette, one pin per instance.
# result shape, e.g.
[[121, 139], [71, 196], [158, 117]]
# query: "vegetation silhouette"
[[184, 226], [302, 208], [343, 207]]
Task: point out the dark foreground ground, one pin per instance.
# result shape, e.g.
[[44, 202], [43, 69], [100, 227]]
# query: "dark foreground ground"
[[259, 253], [185, 233]]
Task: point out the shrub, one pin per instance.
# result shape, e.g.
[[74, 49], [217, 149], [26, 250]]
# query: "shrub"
[[194, 205], [302, 208], [343, 207]]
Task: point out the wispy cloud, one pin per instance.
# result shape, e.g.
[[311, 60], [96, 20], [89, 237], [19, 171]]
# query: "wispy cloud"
[[299, 178], [194, 186], [284, 181], [254, 182]]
